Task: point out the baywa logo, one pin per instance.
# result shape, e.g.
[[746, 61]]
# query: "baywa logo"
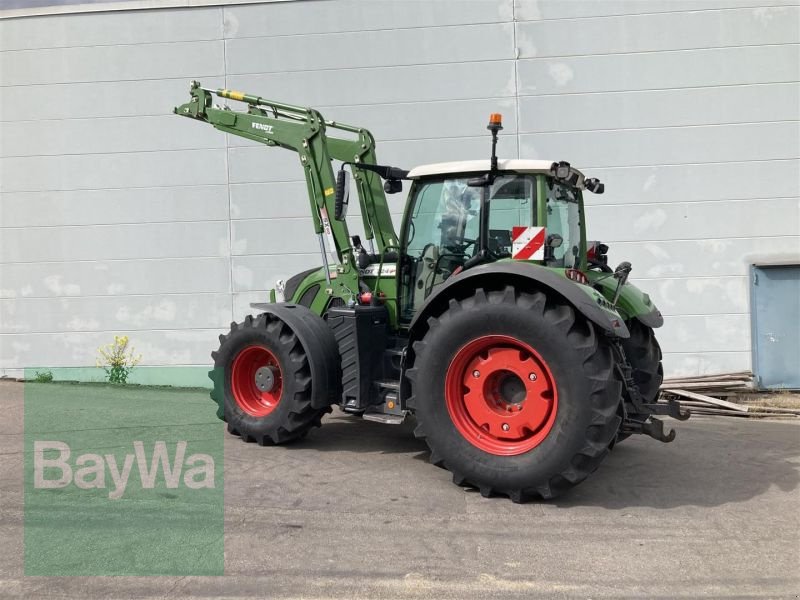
[[96, 471]]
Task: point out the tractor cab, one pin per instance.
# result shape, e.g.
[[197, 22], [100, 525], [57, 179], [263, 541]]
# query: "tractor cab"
[[528, 212]]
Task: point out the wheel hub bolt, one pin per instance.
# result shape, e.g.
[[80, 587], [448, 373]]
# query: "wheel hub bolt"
[[476, 373], [532, 376], [265, 379], [506, 427]]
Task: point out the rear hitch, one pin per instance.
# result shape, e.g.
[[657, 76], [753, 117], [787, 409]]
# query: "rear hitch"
[[671, 408], [653, 427]]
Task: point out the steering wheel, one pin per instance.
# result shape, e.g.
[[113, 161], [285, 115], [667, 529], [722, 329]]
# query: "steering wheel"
[[460, 247]]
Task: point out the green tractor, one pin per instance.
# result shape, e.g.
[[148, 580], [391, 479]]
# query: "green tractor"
[[522, 355]]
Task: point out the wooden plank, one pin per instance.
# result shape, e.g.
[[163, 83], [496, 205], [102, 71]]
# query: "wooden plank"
[[708, 400], [710, 412], [733, 385], [743, 376], [775, 409], [736, 375]]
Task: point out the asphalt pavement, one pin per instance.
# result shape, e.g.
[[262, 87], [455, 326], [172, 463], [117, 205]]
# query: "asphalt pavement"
[[356, 511]]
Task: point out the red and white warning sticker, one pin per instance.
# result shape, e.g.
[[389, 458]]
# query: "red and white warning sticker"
[[527, 243]]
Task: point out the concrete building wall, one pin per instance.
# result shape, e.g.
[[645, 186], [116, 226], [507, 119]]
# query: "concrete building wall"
[[118, 217]]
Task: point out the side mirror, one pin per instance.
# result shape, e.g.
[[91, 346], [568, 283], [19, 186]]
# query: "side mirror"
[[392, 186], [554, 240], [623, 270], [594, 185], [342, 194]]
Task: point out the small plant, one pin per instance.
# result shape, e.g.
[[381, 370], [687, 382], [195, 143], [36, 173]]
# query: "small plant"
[[117, 360], [43, 377]]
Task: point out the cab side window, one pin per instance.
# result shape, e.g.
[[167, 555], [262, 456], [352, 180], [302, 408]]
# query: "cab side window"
[[512, 204]]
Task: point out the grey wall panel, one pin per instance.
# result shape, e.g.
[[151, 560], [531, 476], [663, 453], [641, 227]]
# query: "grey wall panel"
[[455, 81], [145, 240], [104, 207], [115, 313], [706, 333], [102, 171], [320, 16], [470, 43], [79, 349], [273, 236], [697, 295], [260, 272], [654, 32], [111, 63], [242, 301], [269, 200], [112, 277], [665, 108], [695, 220], [100, 99], [678, 364], [96, 136], [691, 183], [535, 10], [732, 256], [256, 164], [659, 70], [108, 29], [675, 145]]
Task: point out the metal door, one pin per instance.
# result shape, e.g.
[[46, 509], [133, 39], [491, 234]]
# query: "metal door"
[[775, 314]]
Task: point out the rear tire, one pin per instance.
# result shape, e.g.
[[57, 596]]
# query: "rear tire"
[[556, 362], [644, 355], [264, 351]]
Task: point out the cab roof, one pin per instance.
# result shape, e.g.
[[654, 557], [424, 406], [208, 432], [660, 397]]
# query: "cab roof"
[[472, 166]]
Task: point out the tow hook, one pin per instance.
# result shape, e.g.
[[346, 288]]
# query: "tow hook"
[[653, 427], [656, 429]]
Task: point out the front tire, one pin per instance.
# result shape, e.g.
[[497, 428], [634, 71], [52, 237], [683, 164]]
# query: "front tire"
[[262, 382], [514, 393]]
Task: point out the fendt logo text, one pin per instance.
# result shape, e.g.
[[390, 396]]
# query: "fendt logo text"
[[89, 470], [262, 127]]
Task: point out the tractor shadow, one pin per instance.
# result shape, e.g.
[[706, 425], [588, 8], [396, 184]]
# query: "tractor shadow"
[[713, 461], [350, 433]]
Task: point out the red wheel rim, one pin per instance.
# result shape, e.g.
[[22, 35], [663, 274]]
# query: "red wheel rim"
[[256, 381], [501, 395]]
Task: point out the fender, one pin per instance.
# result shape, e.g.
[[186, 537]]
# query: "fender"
[[584, 299], [652, 319], [633, 303], [321, 349]]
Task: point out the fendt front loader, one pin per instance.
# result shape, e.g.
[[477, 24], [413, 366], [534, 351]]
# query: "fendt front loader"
[[522, 356]]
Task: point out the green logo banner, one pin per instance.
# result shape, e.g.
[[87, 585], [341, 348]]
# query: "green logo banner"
[[122, 480]]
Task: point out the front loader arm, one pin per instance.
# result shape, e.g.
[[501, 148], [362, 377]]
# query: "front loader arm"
[[303, 130]]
